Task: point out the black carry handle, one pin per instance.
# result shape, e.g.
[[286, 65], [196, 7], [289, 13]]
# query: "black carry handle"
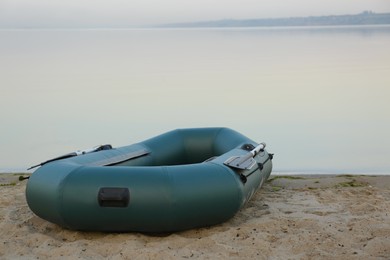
[[114, 197]]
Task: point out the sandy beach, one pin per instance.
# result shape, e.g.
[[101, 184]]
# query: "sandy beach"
[[291, 217]]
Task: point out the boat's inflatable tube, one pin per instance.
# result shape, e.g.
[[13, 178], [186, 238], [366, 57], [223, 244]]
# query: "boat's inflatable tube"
[[176, 181]]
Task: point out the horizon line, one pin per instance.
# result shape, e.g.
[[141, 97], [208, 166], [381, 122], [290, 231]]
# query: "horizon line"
[[200, 22]]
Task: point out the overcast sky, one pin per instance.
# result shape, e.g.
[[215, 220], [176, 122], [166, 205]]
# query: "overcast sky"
[[101, 13]]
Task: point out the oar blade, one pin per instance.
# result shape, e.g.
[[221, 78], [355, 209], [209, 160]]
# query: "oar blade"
[[236, 162]]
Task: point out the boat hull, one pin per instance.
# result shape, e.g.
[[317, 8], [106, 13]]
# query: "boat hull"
[[175, 186]]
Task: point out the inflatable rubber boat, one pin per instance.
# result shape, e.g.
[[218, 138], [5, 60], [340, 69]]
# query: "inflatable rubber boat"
[[179, 180]]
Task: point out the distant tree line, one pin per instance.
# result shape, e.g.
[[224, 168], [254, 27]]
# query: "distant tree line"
[[364, 18]]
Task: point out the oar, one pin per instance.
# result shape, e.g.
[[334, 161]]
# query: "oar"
[[245, 161], [77, 153]]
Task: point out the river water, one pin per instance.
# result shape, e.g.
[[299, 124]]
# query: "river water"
[[319, 97]]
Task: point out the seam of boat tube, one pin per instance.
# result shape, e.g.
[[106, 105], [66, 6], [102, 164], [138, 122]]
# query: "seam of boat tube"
[[149, 149], [182, 141], [238, 190], [215, 138], [61, 187]]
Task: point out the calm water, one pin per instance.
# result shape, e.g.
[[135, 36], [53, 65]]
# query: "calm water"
[[319, 97]]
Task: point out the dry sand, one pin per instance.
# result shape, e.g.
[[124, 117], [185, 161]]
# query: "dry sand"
[[326, 217]]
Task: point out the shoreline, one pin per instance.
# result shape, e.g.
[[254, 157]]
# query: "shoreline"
[[295, 217]]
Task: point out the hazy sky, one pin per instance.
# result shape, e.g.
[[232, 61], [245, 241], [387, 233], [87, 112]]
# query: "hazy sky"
[[95, 13]]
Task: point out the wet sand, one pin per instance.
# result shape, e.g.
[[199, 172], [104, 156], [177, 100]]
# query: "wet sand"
[[291, 217]]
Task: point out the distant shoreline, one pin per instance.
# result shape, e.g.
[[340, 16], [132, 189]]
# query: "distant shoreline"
[[276, 28], [364, 18]]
